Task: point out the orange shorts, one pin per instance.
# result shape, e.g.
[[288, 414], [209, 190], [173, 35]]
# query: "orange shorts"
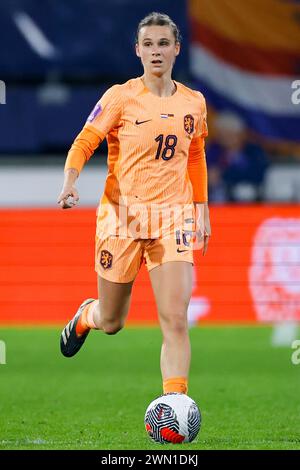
[[119, 259]]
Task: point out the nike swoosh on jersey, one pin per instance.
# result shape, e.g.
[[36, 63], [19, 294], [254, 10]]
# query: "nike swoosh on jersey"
[[180, 251], [142, 122]]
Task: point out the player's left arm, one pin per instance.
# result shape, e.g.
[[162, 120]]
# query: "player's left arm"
[[203, 227], [197, 171]]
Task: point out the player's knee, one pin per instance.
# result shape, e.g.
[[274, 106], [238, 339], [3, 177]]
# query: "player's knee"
[[174, 321], [112, 327]]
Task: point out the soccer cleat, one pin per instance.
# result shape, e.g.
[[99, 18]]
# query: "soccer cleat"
[[70, 343]]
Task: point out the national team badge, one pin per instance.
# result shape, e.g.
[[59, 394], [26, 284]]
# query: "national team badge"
[[106, 259], [189, 123]]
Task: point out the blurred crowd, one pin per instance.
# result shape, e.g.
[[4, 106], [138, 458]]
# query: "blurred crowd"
[[242, 169]]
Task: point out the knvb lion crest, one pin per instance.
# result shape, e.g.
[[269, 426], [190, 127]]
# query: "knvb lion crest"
[[106, 259], [189, 123]]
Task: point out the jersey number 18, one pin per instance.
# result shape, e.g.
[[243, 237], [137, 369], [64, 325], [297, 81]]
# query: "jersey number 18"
[[167, 152]]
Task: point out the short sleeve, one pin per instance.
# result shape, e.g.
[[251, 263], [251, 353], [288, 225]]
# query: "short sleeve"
[[107, 113]]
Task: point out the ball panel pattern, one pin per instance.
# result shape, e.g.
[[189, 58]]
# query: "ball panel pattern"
[[194, 421], [161, 417], [173, 417]]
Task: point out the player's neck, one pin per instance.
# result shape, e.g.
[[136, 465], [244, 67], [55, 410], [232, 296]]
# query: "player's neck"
[[160, 86]]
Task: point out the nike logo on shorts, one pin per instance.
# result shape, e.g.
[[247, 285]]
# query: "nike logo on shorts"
[[142, 122]]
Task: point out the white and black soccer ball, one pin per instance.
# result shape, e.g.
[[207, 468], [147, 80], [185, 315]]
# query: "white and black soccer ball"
[[173, 418]]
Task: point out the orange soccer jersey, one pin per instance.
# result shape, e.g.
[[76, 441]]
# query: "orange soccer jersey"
[[155, 145]]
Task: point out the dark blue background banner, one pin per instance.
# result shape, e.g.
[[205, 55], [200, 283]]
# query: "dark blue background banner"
[[79, 38]]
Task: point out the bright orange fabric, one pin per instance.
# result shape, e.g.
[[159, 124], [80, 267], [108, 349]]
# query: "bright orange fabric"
[[82, 149], [119, 260], [85, 322], [197, 170], [142, 169], [175, 385], [155, 146], [81, 326]]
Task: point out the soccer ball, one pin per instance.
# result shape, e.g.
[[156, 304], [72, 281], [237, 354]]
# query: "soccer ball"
[[173, 418]]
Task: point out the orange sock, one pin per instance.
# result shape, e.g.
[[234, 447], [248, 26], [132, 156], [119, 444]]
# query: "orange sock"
[[85, 322], [175, 384]]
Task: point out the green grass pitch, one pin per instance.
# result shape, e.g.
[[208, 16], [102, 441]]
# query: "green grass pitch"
[[248, 392]]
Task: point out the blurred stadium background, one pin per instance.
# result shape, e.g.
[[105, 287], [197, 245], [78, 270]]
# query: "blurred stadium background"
[[56, 61], [57, 58]]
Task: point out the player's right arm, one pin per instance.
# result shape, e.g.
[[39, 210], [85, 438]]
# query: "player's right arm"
[[69, 194], [81, 151], [105, 116]]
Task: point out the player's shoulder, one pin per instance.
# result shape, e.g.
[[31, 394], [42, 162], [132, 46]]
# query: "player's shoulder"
[[190, 93], [131, 87]]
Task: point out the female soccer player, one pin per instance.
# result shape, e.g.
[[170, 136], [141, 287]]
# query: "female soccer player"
[[155, 129]]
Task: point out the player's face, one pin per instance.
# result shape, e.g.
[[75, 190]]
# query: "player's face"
[[157, 49]]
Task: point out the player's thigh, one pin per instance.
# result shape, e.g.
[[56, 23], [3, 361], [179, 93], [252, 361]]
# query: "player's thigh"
[[114, 299], [172, 286], [118, 260]]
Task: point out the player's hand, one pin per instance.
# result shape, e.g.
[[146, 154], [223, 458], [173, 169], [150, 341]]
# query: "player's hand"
[[68, 198], [207, 231], [203, 228]]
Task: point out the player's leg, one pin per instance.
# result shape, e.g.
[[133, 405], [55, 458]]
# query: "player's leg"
[[107, 314], [117, 264], [110, 311], [172, 286]]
